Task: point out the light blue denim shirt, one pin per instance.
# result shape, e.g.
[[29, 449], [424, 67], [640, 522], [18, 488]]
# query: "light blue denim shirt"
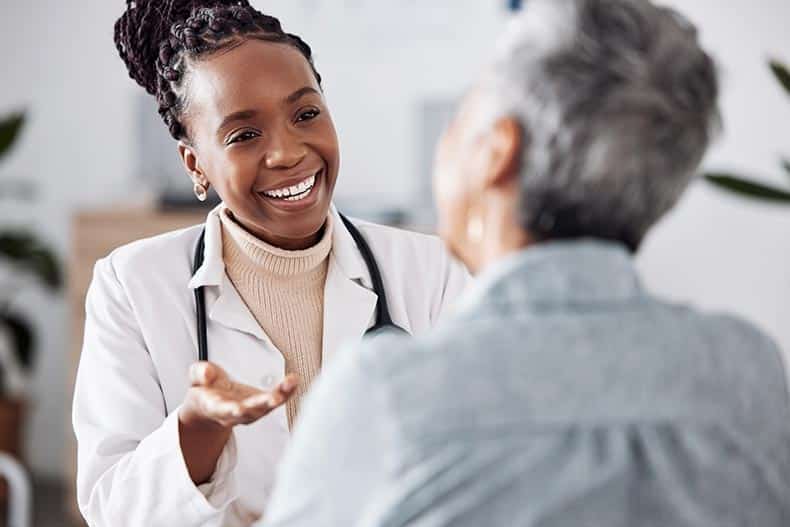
[[562, 394]]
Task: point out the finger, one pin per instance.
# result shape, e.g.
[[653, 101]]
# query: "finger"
[[253, 412], [253, 408], [260, 401], [286, 387], [268, 401], [206, 374], [201, 373], [221, 409], [214, 402]]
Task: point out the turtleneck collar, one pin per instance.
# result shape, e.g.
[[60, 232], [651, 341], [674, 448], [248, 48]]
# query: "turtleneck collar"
[[245, 247]]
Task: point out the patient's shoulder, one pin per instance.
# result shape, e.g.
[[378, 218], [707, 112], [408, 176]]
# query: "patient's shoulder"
[[750, 350]]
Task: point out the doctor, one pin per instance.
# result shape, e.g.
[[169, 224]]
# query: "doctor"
[[279, 277]]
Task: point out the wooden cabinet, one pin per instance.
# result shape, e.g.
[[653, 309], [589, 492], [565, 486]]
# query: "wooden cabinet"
[[95, 234]]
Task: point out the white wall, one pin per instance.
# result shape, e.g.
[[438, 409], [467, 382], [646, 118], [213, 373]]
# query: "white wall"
[[714, 250], [380, 59], [59, 61]]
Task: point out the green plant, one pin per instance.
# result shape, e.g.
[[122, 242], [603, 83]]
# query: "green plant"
[[24, 254], [9, 131], [748, 187]]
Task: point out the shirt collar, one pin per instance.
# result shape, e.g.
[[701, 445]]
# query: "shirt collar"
[[211, 273], [558, 273]]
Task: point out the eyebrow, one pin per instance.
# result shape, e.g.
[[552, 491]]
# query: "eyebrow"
[[301, 92], [243, 115]]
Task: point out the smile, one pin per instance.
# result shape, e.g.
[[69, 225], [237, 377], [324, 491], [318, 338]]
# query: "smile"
[[295, 192]]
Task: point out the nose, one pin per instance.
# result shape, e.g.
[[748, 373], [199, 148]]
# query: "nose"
[[284, 151]]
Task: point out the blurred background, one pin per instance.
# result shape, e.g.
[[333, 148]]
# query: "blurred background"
[[92, 167]]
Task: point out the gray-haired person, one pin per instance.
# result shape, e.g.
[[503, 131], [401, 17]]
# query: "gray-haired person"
[[562, 393]]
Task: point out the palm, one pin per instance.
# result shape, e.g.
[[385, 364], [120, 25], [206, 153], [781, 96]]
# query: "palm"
[[217, 397]]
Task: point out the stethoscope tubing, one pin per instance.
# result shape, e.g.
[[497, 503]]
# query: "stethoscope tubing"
[[383, 321]]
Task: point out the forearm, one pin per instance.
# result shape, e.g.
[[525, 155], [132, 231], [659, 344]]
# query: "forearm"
[[201, 445]]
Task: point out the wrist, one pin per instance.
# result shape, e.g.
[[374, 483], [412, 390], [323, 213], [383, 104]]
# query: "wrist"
[[194, 423], [202, 441]]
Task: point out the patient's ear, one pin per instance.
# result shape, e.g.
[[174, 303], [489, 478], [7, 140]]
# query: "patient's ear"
[[190, 161], [504, 145]]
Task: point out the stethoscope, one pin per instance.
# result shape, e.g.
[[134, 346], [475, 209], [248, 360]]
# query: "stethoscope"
[[383, 323]]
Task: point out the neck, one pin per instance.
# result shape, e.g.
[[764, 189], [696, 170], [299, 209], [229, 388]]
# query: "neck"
[[502, 236], [281, 242]]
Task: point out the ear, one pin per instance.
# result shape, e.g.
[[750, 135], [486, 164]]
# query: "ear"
[[504, 145], [189, 159]]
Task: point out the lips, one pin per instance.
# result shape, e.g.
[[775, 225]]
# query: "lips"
[[288, 195], [294, 192]]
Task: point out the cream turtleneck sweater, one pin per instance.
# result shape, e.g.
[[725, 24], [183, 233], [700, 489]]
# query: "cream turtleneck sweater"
[[284, 291]]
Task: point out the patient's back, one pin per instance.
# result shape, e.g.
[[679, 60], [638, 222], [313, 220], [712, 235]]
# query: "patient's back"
[[566, 395]]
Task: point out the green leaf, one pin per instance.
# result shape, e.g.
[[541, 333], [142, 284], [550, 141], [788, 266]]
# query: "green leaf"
[[22, 335], [748, 188], [781, 73], [786, 166], [9, 131], [25, 250]]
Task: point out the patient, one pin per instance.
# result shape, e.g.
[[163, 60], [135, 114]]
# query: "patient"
[[562, 393]]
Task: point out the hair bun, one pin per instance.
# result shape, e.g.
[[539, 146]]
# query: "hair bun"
[[146, 24]]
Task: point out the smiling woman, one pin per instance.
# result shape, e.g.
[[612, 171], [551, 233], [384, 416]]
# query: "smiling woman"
[[258, 127], [279, 274]]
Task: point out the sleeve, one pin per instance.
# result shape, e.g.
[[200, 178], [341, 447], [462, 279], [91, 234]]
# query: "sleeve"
[[331, 481], [130, 467], [454, 280]]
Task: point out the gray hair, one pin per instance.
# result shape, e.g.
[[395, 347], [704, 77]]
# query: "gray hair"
[[618, 104]]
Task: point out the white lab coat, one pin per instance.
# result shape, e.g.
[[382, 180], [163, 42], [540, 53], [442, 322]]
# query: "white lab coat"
[[140, 341]]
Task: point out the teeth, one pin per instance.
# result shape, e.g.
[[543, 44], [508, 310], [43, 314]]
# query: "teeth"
[[294, 191]]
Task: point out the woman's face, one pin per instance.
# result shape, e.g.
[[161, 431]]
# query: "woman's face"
[[262, 136]]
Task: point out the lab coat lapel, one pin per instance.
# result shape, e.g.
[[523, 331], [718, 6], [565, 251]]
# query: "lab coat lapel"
[[223, 303], [349, 309], [349, 304], [230, 311]]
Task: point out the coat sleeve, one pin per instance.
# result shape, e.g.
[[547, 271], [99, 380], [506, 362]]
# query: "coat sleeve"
[[453, 281], [130, 467]]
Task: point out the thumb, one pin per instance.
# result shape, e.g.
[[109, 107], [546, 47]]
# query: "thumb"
[[205, 374]]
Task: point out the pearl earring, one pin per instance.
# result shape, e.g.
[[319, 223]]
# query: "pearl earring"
[[474, 229], [201, 192]]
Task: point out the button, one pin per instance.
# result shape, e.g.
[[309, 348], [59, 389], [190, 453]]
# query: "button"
[[268, 381]]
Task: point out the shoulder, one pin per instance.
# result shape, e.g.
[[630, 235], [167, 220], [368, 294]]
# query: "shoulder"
[[724, 351], [727, 334], [384, 237], [747, 344], [389, 356], [165, 255], [424, 256]]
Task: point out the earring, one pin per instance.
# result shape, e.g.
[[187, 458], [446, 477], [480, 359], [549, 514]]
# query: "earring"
[[474, 229], [201, 192]]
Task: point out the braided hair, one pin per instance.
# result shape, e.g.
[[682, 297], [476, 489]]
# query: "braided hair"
[[158, 39]]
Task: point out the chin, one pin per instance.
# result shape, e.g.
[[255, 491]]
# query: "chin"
[[302, 226]]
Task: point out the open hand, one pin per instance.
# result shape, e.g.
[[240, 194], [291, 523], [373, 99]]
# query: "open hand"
[[215, 397]]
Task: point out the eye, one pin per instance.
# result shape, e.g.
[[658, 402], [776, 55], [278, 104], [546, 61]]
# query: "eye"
[[308, 115], [242, 136]]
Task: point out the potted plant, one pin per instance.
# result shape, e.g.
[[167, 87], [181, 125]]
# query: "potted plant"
[[24, 260], [748, 187]]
